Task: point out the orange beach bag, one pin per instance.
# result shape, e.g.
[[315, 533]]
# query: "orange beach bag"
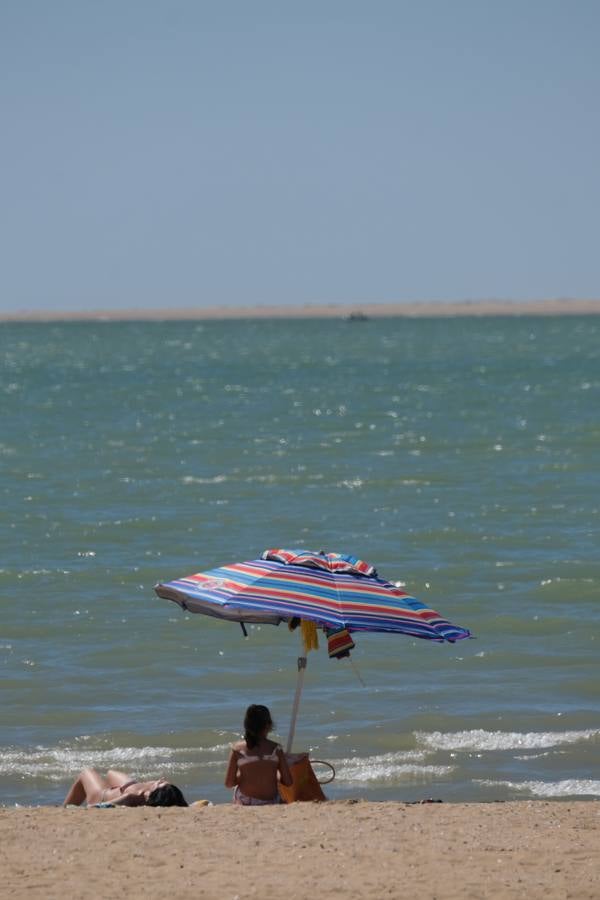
[[305, 785]]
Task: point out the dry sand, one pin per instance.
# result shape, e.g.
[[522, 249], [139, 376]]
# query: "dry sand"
[[556, 307], [339, 849]]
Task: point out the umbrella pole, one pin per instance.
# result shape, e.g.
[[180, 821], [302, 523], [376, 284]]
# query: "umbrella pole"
[[299, 683]]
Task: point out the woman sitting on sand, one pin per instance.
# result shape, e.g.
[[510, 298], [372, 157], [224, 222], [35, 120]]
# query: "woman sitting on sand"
[[256, 764], [118, 789]]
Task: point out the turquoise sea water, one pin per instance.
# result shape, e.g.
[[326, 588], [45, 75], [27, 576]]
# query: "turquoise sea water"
[[458, 456]]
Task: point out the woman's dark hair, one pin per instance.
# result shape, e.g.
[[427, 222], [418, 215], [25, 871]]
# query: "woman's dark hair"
[[257, 719], [167, 795]]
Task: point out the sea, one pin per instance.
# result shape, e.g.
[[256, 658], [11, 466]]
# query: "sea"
[[460, 456]]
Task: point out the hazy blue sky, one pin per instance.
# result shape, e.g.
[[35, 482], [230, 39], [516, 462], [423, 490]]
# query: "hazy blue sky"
[[158, 153]]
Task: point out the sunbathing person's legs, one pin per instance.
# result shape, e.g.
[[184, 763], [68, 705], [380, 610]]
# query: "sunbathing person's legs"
[[117, 779], [90, 787]]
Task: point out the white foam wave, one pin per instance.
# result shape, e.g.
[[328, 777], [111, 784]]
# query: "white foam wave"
[[193, 479], [570, 787], [478, 739], [387, 768], [56, 763]]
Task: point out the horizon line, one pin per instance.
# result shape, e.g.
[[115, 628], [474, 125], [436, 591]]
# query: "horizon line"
[[408, 309]]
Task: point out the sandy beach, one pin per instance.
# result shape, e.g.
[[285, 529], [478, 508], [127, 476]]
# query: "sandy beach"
[[339, 849], [552, 307]]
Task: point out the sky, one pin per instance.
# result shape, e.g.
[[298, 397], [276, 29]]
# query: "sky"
[[181, 153]]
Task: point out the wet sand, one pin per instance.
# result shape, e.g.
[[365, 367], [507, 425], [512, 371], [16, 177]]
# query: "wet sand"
[[553, 307], [342, 849]]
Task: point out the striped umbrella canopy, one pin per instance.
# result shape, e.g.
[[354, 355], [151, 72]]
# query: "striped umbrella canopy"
[[339, 593], [330, 589]]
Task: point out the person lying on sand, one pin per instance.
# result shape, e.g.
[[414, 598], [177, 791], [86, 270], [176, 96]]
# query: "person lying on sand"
[[119, 789], [256, 764]]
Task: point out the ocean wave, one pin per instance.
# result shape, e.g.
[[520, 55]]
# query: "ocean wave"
[[478, 739], [193, 479], [387, 768], [569, 787], [56, 763]]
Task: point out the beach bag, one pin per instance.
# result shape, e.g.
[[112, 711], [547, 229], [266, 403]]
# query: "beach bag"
[[305, 785]]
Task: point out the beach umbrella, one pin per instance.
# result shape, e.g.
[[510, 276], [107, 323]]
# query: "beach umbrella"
[[338, 593]]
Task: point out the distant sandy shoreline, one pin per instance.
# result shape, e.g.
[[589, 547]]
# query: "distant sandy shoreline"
[[356, 850], [556, 307]]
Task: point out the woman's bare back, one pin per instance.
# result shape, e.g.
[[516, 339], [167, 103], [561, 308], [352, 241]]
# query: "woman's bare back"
[[257, 768]]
